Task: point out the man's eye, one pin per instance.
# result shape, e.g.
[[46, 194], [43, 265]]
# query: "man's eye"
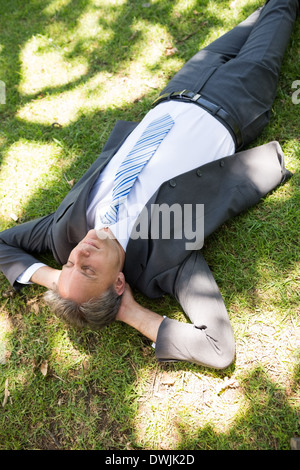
[[88, 270], [69, 264]]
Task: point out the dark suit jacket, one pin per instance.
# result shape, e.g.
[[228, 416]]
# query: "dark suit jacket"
[[225, 187]]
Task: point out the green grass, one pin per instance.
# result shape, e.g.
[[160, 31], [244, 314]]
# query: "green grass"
[[83, 65]]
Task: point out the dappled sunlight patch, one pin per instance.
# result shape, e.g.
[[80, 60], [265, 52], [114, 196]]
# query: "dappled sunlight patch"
[[183, 6], [175, 405], [178, 407], [94, 26], [136, 80], [88, 26], [43, 66], [111, 2], [271, 341], [155, 41], [266, 324], [55, 6], [103, 91], [131, 83], [291, 149], [26, 168], [174, 401], [5, 328], [58, 74], [63, 108]]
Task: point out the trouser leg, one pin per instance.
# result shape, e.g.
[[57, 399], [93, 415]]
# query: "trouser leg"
[[195, 73], [246, 86], [240, 70]]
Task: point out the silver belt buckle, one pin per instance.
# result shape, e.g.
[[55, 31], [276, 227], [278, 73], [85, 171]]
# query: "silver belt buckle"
[[196, 97]]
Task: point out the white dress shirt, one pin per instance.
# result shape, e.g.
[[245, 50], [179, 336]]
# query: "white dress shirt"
[[195, 139]]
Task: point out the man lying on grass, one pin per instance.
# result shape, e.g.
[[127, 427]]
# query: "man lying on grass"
[[140, 214]]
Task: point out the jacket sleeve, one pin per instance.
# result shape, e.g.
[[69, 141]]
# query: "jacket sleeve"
[[209, 339], [19, 245]]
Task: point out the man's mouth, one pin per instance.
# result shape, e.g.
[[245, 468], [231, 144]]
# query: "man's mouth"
[[91, 243]]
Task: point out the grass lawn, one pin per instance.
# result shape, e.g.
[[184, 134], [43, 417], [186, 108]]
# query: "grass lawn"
[[71, 68]]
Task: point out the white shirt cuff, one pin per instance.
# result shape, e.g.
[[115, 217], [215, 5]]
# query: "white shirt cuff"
[[25, 277], [154, 344]]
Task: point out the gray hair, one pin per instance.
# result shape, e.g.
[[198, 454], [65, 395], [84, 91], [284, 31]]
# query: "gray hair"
[[95, 313]]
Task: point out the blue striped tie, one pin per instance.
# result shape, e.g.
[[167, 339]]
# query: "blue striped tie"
[[134, 162]]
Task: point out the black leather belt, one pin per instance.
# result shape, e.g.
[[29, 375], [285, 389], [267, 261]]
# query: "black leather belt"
[[217, 111]]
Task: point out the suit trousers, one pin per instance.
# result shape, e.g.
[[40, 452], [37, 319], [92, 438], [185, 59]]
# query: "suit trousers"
[[240, 70]]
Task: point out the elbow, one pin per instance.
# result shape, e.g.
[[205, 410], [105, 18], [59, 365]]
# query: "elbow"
[[225, 360], [225, 356], [222, 349]]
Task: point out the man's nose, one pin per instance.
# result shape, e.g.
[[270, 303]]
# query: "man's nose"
[[82, 252]]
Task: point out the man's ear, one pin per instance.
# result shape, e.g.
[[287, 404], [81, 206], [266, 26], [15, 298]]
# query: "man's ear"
[[120, 284]]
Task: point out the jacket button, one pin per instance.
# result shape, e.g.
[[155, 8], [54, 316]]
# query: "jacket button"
[[199, 172], [222, 163], [172, 183]]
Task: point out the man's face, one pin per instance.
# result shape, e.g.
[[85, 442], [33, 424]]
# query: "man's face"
[[93, 266]]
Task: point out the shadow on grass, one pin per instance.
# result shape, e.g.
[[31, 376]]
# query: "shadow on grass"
[[91, 397]]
